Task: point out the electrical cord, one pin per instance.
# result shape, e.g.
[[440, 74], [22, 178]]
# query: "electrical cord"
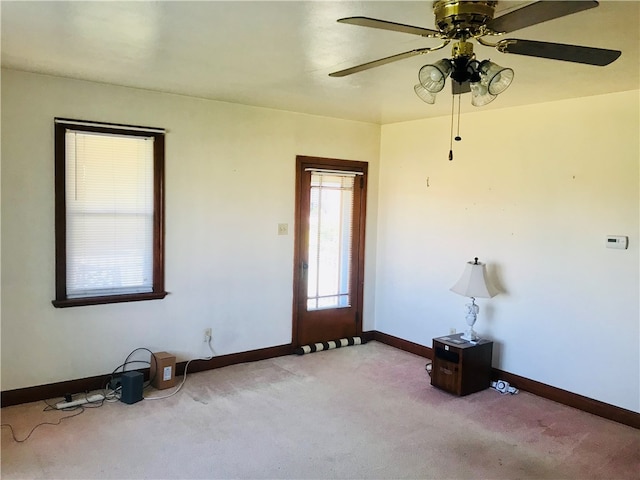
[[184, 378], [114, 394], [153, 355], [49, 407], [13, 434], [109, 394]]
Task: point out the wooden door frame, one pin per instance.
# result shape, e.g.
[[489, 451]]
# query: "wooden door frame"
[[303, 162]]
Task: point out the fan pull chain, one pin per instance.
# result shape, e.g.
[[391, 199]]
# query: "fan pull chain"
[[453, 102], [458, 137]]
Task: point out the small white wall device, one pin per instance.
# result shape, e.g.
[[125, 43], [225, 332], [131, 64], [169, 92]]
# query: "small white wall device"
[[617, 241], [504, 387]]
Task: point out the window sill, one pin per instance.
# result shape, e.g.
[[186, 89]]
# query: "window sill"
[[79, 302]]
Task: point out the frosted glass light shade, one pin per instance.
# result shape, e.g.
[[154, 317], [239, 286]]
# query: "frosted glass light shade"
[[480, 95], [498, 78], [424, 94], [432, 77]]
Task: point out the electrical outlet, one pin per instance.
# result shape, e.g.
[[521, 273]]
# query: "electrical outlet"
[[207, 334]]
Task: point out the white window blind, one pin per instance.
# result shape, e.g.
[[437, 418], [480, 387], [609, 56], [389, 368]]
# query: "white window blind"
[[330, 234], [109, 214]]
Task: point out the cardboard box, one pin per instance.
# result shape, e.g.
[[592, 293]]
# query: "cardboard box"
[[163, 370]]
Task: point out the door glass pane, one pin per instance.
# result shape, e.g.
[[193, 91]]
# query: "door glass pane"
[[330, 221]]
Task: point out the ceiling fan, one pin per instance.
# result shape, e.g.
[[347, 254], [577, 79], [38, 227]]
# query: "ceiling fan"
[[459, 21]]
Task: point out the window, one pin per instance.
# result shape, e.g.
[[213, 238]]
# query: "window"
[[109, 183], [330, 240]]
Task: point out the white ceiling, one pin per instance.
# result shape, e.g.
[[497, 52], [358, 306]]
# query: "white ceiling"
[[279, 54]]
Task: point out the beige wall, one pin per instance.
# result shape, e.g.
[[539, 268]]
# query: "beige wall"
[[533, 192], [230, 174]]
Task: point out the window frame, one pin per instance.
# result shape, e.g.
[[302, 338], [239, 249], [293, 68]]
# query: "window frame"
[[158, 290]]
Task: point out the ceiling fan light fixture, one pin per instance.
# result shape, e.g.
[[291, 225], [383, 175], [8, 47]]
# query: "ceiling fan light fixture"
[[480, 95], [432, 76], [461, 71], [475, 76], [497, 78], [424, 94]]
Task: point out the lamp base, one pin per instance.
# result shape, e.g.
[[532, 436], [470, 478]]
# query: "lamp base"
[[470, 335]]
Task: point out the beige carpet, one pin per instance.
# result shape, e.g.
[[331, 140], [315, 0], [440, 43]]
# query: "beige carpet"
[[357, 412]]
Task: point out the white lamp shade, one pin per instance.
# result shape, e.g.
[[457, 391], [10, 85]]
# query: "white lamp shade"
[[474, 282]]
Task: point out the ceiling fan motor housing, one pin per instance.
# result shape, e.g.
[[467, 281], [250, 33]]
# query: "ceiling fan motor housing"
[[462, 19]]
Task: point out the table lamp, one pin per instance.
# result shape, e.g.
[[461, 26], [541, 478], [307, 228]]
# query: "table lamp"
[[474, 284]]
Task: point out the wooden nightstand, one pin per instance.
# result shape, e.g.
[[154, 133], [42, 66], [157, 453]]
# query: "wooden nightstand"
[[461, 367]]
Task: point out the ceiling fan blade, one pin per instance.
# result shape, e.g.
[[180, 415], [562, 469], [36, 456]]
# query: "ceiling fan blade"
[[559, 51], [458, 88], [535, 13], [377, 63], [385, 25]]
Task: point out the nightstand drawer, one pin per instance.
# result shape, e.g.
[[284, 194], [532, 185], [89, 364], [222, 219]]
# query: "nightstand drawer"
[[445, 375]]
